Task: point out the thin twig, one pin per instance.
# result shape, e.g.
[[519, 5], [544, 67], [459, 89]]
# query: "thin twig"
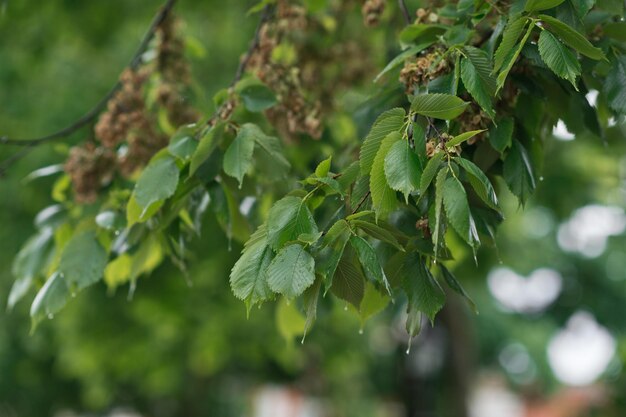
[[405, 12], [95, 111], [254, 44], [358, 206], [243, 63], [432, 125]]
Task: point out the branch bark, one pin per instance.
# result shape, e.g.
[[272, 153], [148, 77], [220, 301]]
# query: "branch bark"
[[405, 12], [95, 111]]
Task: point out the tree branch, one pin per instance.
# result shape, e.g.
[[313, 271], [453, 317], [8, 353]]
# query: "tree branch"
[[405, 12], [243, 63], [256, 40], [95, 111]]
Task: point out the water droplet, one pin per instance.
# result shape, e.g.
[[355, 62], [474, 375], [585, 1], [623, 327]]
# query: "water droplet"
[[116, 233], [50, 316], [345, 308], [540, 178], [408, 350], [360, 331], [73, 295]]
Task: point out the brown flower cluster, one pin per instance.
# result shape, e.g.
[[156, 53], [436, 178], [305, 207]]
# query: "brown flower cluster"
[[421, 70], [127, 131], [474, 118], [305, 73], [425, 16], [372, 11], [175, 74], [295, 113], [90, 168], [125, 110], [127, 120]]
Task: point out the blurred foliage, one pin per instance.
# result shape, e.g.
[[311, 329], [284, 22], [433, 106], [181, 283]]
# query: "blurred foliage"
[[183, 345]]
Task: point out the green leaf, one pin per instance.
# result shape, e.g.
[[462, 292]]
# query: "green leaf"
[[183, 144], [331, 250], [236, 224], [289, 218], [420, 31], [423, 291], [29, 263], [205, 148], [50, 299], [558, 57], [83, 260], [248, 279], [390, 121], [439, 106], [457, 210], [457, 287], [157, 182], [457, 140], [291, 272], [110, 220], [44, 172], [257, 97], [500, 136], [510, 36], [310, 297], [615, 85], [349, 282], [400, 58], [437, 234], [238, 156], [431, 169], [383, 196], [582, 7], [333, 184], [377, 232], [534, 5], [323, 168], [511, 55], [289, 320], [518, 172], [147, 257], [271, 154], [118, 270], [476, 76], [479, 181], [615, 30], [373, 302], [309, 238], [402, 168], [349, 175], [571, 37], [136, 214], [369, 261]]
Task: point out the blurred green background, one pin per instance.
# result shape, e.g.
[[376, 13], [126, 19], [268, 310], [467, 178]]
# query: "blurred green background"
[[549, 338]]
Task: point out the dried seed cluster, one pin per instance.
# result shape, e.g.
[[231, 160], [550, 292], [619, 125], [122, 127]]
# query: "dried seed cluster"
[[423, 69], [474, 118], [295, 113], [90, 168], [304, 73], [128, 132], [372, 11]]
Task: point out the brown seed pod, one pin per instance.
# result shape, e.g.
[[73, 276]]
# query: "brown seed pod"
[[90, 168]]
